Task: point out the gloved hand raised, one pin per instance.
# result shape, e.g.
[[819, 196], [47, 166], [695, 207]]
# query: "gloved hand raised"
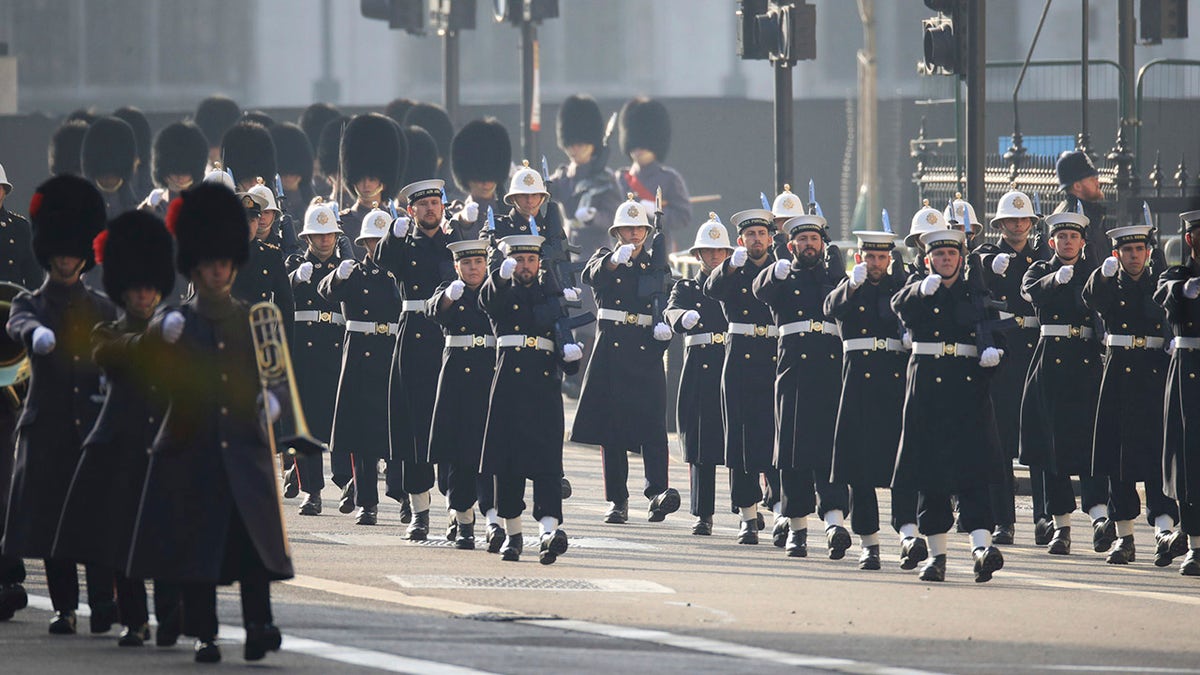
[[572, 352], [1000, 263], [1109, 267], [622, 255], [1064, 274], [662, 332], [689, 319], [304, 271], [858, 275], [930, 284], [571, 293], [469, 213], [455, 290], [44, 341], [507, 268], [344, 269], [1191, 288], [782, 268], [584, 214], [738, 258], [400, 227], [990, 358], [172, 327]]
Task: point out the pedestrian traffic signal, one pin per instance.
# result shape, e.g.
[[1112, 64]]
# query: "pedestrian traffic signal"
[[1163, 20]]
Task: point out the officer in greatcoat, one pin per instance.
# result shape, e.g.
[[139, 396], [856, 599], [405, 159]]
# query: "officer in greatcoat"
[[1127, 442], [526, 196], [926, 219], [370, 303], [870, 409], [645, 138], [54, 323], [210, 511], [481, 159], [100, 509], [17, 262], [622, 407], [948, 442], [698, 318], [372, 161], [523, 438], [1179, 293], [809, 362], [1058, 409]]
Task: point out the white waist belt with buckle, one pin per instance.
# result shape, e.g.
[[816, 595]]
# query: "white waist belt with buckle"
[[753, 330], [414, 306], [1186, 342], [1022, 321], [1062, 330], [320, 317], [703, 339], [869, 344], [466, 341], [802, 327], [372, 328], [532, 341], [1137, 341], [620, 316], [945, 349]]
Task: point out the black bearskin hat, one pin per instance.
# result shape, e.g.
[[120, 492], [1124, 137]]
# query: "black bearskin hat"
[[397, 108], [329, 146], [67, 212], [315, 117], [258, 117], [579, 121], [422, 156], [214, 116], [180, 148], [87, 115], [481, 152], [1073, 166], [136, 252], [248, 151], [373, 147], [645, 124], [209, 223], [293, 154], [66, 148], [136, 119], [432, 118], [109, 149]]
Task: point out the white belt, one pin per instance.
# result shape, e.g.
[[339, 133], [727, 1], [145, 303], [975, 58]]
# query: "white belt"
[[1063, 330], [413, 306], [372, 328], [467, 341], [519, 341], [1138, 341], [619, 316], [1186, 342], [320, 317], [703, 339], [800, 327], [753, 330], [945, 349], [869, 344], [1022, 321]]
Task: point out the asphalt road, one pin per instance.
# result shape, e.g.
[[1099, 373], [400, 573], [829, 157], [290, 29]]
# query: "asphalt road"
[[645, 597]]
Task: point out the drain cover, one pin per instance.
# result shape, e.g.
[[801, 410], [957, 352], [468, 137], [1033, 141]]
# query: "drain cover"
[[531, 584]]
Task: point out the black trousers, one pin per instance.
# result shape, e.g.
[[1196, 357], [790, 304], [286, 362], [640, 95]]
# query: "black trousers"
[[1060, 496], [616, 472], [935, 513], [485, 491], [418, 477], [1004, 498], [1124, 503], [547, 496], [1037, 485], [459, 482], [62, 580], [200, 607], [773, 493], [864, 509], [342, 466], [745, 490], [311, 471], [12, 570], [366, 480], [1189, 518], [393, 480], [131, 600], [703, 478], [804, 492]]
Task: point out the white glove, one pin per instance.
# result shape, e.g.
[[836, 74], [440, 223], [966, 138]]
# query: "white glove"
[[455, 290], [469, 213], [584, 214], [572, 352], [1108, 268], [344, 269], [43, 341], [156, 197], [1170, 348], [990, 358], [400, 227], [622, 255], [906, 340], [571, 294], [507, 268], [271, 410], [782, 268], [930, 285], [662, 332], [172, 327], [1064, 274], [304, 271], [1000, 263], [739, 257], [858, 275], [689, 319], [1191, 288], [649, 206]]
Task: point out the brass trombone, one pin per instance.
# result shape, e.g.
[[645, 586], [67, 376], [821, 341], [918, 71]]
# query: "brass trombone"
[[277, 377], [14, 361]]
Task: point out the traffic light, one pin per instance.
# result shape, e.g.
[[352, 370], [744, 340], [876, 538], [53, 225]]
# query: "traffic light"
[[777, 30], [944, 39], [1163, 20], [518, 11], [406, 15]]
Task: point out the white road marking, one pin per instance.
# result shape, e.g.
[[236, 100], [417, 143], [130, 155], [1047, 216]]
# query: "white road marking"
[[369, 658], [463, 582], [1095, 588]]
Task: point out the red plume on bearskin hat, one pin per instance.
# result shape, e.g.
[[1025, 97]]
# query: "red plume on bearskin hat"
[[209, 223], [67, 212]]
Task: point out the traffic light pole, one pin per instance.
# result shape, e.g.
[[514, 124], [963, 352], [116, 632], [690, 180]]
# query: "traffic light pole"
[[784, 137], [450, 74], [976, 141], [528, 83]]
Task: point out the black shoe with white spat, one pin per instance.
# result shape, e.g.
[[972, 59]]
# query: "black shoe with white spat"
[[553, 544], [617, 514], [514, 545], [1043, 531], [663, 504], [1122, 551], [748, 533], [869, 560], [796, 545], [291, 483], [1060, 543], [1190, 567], [935, 569], [1003, 535], [495, 537], [1168, 546], [703, 526], [838, 540], [988, 560], [779, 534], [1104, 533], [912, 551]]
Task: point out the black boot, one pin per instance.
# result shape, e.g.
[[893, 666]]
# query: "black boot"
[[912, 551], [987, 561], [838, 540], [796, 545], [452, 528], [1169, 546], [514, 544], [935, 569], [553, 545], [169, 628], [869, 560], [1043, 531], [495, 537], [419, 529], [261, 639], [1104, 533], [12, 599], [406, 512], [1003, 535], [779, 533], [104, 616], [703, 526], [1122, 551], [1060, 543], [748, 534], [345, 505], [367, 515], [566, 488], [134, 636], [63, 623], [1191, 564], [618, 513], [464, 539], [311, 506], [291, 483], [207, 651], [663, 504]]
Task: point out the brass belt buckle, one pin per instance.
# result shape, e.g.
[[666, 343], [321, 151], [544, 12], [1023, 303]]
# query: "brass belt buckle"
[[1074, 331], [880, 343], [817, 327], [1020, 321], [477, 341], [718, 338], [1139, 341], [760, 331], [949, 349], [531, 341], [381, 328], [325, 317], [630, 318]]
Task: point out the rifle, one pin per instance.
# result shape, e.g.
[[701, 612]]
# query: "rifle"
[[834, 259], [657, 281], [981, 297], [779, 240], [556, 250], [556, 310]]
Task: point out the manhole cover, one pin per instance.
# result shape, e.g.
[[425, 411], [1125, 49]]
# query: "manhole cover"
[[531, 584]]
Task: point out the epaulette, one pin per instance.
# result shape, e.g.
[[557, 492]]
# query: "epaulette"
[[273, 247]]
